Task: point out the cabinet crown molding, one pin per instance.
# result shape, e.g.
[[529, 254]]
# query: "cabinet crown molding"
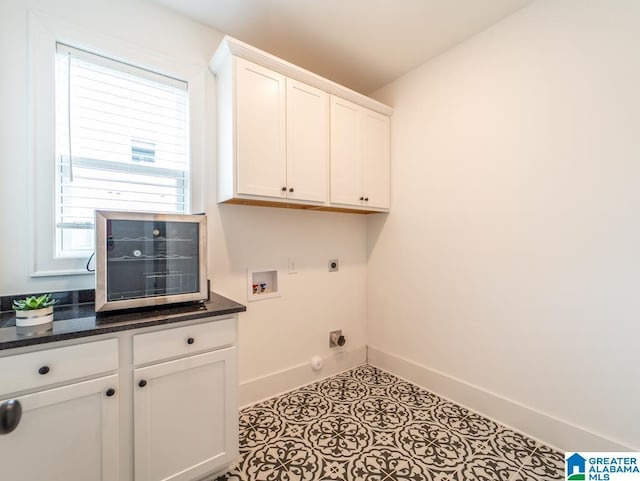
[[231, 46]]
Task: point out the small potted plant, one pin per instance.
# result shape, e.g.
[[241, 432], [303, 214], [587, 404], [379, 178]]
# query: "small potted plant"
[[34, 310]]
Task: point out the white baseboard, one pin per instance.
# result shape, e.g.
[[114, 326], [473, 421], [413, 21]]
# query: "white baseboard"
[[538, 425], [256, 390]]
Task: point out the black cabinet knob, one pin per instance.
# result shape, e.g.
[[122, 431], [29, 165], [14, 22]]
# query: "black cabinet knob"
[[142, 383], [361, 198], [191, 340], [291, 189], [44, 370], [110, 392], [366, 199], [10, 414], [284, 189]]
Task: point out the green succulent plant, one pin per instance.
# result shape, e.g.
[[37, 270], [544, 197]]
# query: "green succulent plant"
[[34, 302]]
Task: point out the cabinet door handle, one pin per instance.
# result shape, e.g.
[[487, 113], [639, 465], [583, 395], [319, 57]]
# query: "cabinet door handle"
[[110, 392], [291, 189], [44, 370], [284, 189], [361, 198], [366, 199], [142, 383], [191, 340], [10, 414]]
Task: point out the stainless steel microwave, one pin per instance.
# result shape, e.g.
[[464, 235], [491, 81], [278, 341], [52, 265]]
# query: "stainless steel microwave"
[[146, 259]]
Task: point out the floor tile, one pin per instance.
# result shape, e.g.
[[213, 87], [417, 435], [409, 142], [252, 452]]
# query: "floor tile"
[[486, 467], [473, 426], [511, 445], [411, 396], [449, 414], [387, 463], [258, 426], [447, 453], [343, 389], [338, 436], [302, 406], [545, 464], [368, 425], [381, 413], [283, 459]]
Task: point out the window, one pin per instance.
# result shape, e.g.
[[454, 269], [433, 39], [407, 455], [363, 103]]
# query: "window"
[[121, 143]]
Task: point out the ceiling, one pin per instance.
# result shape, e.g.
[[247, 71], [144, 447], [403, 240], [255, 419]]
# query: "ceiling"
[[362, 44]]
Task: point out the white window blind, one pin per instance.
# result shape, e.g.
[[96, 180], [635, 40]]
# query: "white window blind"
[[121, 144]]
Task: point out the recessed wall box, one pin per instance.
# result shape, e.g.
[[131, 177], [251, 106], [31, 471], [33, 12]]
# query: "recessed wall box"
[[262, 284]]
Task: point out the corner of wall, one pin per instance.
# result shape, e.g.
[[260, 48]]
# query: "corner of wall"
[[274, 384]]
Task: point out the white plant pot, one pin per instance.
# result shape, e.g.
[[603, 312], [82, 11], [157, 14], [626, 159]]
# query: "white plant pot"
[[34, 317]]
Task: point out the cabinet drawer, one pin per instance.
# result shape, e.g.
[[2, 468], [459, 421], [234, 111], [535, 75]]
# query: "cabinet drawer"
[[181, 341], [51, 366]]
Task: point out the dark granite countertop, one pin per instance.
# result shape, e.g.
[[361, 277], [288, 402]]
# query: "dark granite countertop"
[[80, 320]]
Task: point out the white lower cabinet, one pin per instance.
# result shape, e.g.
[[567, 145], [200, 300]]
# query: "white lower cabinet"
[[81, 420], [69, 425], [185, 424], [185, 409], [77, 423]]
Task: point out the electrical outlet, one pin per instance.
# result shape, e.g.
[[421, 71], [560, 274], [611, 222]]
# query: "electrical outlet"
[[333, 265]]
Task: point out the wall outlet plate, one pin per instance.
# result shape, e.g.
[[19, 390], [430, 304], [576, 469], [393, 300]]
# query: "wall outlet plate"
[[334, 265]]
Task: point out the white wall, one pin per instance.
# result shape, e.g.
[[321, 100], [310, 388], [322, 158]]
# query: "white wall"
[[275, 334], [510, 259], [138, 23]]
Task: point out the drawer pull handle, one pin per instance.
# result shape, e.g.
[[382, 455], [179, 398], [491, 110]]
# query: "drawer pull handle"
[[44, 370], [10, 414], [191, 340], [110, 392], [142, 383]]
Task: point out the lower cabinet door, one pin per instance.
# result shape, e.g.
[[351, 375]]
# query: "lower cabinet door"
[[68, 433], [185, 417]]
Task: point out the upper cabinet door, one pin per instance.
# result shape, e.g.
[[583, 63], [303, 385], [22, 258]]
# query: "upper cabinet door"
[[375, 159], [346, 167], [260, 130], [307, 143]]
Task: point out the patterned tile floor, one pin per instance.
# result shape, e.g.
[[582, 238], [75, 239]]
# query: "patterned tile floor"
[[367, 425]]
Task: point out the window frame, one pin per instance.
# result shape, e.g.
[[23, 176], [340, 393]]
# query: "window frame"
[[44, 32]]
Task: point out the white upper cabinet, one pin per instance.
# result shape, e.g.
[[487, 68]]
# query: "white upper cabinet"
[[261, 130], [359, 156], [346, 158], [275, 149], [307, 147], [375, 159], [290, 138]]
